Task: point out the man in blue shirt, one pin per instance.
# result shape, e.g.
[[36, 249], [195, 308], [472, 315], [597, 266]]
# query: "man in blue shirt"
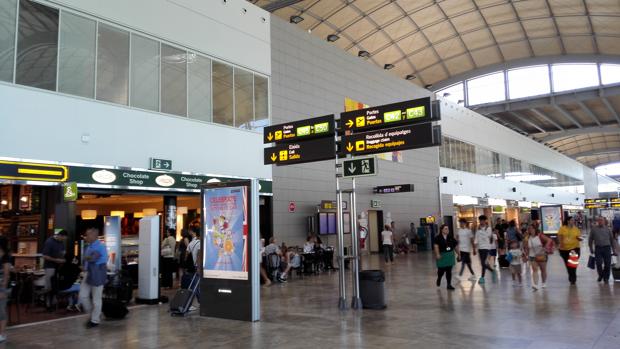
[[95, 260]]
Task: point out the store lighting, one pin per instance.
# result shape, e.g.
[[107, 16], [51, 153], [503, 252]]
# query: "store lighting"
[[24, 199], [363, 54], [410, 77], [149, 212], [182, 210], [388, 66], [296, 19], [4, 202], [138, 215], [332, 37], [117, 213], [88, 214]]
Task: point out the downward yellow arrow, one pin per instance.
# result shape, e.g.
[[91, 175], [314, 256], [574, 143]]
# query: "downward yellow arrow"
[[350, 123], [273, 157], [269, 136], [349, 147]]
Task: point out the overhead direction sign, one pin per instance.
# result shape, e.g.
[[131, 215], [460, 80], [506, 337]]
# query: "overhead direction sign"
[[360, 167], [160, 164], [27, 171], [296, 131], [398, 188], [410, 112], [393, 139], [300, 152]]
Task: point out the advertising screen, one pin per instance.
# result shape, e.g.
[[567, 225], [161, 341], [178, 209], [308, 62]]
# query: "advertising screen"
[[226, 239], [551, 219]]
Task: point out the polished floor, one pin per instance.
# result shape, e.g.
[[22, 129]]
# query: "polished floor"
[[303, 314]]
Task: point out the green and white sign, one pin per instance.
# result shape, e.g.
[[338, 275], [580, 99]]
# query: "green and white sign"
[[70, 191], [160, 164], [360, 167]]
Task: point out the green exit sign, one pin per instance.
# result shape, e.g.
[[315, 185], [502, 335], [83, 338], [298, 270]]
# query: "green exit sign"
[[160, 164]]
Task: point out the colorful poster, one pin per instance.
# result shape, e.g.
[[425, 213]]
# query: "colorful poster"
[[226, 225], [551, 219], [112, 238]]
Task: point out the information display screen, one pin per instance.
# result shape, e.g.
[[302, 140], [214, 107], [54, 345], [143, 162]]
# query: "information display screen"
[[226, 223]]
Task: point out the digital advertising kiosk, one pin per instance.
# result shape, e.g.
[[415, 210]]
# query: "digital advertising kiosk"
[[230, 286]]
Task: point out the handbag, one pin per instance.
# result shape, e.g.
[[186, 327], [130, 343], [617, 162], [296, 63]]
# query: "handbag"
[[541, 258], [591, 262], [509, 257]]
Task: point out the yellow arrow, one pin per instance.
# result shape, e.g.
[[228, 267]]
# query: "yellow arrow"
[[273, 157], [269, 136], [350, 123], [349, 147]]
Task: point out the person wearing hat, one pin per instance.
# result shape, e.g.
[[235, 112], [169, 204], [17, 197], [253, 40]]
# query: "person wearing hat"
[[53, 256]]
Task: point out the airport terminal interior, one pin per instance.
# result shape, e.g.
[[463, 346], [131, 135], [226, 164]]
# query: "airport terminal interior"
[[302, 173]]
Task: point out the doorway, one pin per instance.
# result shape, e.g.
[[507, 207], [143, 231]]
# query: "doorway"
[[266, 217], [375, 227]]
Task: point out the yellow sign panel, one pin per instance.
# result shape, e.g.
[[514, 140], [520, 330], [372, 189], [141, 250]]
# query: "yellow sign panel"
[[27, 171]]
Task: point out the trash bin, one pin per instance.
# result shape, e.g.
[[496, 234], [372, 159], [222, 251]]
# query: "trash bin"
[[372, 289]]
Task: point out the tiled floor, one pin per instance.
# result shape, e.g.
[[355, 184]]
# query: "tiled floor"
[[303, 314]]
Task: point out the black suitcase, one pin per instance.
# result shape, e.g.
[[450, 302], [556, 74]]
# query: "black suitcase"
[[616, 274], [183, 299], [503, 262], [114, 309]]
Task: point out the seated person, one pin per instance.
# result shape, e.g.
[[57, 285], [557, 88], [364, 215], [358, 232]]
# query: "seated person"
[[67, 282], [274, 248], [309, 245]]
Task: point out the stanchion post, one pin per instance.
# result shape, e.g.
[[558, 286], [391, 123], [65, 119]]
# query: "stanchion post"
[[356, 302], [342, 300]]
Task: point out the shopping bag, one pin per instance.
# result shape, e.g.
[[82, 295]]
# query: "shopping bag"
[[614, 262], [591, 262]]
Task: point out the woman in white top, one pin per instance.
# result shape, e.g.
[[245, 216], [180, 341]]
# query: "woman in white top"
[[388, 246], [466, 241], [535, 248], [485, 242], [168, 246]]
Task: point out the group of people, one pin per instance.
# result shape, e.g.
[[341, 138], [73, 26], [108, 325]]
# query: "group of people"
[[519, 247]]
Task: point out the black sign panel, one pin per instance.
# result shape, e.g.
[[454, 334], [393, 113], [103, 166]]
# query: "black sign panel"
[[392, 139], [300, 152], [31, 171], [297, 131], [410, 112], [596, 203], [360, 167], [389, 189]]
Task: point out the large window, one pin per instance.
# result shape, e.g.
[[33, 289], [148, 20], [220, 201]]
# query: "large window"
[[76, 69], [37, 45], [199, 82], [8, 17], [261, 101], [244, 95], [529, 81], [486, 89], [173, 80], [144, 73], [223, 107], [573, 76], [113, 65], [610, 73]]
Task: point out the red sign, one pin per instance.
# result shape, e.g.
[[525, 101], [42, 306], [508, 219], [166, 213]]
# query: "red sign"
[[291, 206]]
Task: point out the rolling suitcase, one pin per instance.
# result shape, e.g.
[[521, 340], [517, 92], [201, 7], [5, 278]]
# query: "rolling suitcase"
[[503, 262], [183, 299], [114, 309]]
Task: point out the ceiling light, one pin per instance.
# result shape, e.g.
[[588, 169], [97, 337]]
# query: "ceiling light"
[[410, 77], [332, 37], [446, 94], [117, 213], [388, 66], [4, 202], [182, 210], [138, 215], [149, 212], [24, 199], [88, 214], [460, 101], [364, 54], [428, 87], [296, 19]]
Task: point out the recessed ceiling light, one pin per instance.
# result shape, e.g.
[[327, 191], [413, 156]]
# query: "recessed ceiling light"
[[428, 87], [363, 53], [388, 66], [410, 77], [296, 19], [332, 37], [446, 94]]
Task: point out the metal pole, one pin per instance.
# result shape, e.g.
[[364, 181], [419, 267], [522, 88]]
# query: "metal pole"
[[342, 300], [440, 218], [356, 302]]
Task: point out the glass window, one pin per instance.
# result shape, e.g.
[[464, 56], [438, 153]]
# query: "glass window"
[[573, 76], [244, 97], [529, 81], [144, 73], [37, 45], [261, 101], [113, 65], [76, 56], [486, 89], [173, 80], [8, 15], [199, 81], [454, 93], [223, 94], [610, 73]]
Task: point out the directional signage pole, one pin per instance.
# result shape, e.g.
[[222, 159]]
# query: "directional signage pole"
[[342, 300], [356, 302]]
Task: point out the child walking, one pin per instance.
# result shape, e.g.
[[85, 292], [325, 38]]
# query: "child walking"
[[516, 255]]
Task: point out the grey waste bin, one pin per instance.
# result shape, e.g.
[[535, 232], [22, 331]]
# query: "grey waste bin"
[[372, 289]]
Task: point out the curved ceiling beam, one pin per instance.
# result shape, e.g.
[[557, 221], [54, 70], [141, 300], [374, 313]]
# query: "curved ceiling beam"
[[599, 151], [578, 131]]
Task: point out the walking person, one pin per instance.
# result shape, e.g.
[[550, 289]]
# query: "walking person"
[[536, 247], [95, 258], [513, 234], [601, 245], [168, 246], [516, 256], [465, 238], [485, 241], [387, 237], [569, 238], [53, 257], [445, 246]]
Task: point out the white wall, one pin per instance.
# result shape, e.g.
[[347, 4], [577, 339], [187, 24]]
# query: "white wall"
[[48, 126], [211, 26], [468, 126]]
